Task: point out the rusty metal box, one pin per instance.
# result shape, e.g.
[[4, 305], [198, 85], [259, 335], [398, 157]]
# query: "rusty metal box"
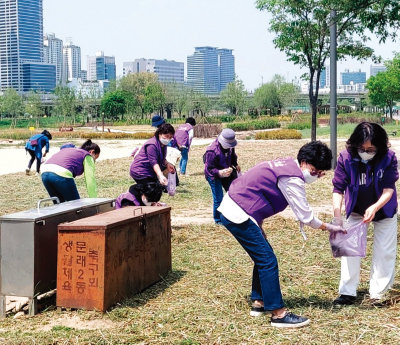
[[107, 257], [28, 246]]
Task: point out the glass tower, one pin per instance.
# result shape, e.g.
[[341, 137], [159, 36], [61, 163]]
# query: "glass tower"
[[21, 47]]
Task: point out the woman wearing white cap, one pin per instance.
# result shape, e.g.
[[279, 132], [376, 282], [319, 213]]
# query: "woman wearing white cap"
[[221, 167]]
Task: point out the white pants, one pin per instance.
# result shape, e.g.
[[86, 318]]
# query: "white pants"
[[383, 260]]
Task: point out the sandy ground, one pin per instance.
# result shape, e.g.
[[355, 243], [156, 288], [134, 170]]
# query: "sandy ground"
[[14, 158]]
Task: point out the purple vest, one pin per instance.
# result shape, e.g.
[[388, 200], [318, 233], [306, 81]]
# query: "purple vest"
[[70, 159], [141, 167], [257, 192], [221, 161], [126, 196], [182, 135]]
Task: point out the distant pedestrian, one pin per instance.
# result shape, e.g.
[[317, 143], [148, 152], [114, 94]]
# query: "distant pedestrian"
[[221, 167], [34, 146], [183, 137], [60, 170]]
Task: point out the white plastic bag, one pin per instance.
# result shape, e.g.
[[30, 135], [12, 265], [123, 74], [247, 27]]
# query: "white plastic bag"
[[171, 187], [350, 243]]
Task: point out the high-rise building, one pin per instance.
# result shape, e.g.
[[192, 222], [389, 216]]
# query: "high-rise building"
[[325, 77], [72, 61], [209, 69], [22, 64], [84, 75], [166, 70], [352, 78], [375, 69], [101, 67], [53, 54]]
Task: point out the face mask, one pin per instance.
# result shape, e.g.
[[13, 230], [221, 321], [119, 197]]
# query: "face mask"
[[145, 202], [365, 157], [165, 141], [308, 178]]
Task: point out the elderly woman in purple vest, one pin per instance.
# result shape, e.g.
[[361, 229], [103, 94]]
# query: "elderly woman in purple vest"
[[265, 190], [220, 159], [148, 194], [365, 175], [150, 162], [59, 171], [183, 137]]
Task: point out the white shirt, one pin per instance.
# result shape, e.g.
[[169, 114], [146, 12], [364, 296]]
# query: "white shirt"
[[293, 190]]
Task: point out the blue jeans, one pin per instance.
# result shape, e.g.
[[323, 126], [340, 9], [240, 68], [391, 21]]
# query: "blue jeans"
[[265, 285], [62, 187], [218, 194], [184, 160]]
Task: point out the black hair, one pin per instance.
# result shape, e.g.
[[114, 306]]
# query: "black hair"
[[47, 134], [151, 190], [368, 131], [165, 128], [317, 154], [191, 121], [89, 146]]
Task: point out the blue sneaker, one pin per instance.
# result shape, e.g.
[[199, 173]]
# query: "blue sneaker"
[[290, 320]]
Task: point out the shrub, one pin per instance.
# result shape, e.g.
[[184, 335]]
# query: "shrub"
[[278, 134], [252, 125], [299, 125]]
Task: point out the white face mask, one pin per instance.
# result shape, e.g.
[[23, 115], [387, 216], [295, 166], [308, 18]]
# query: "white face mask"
[[145, 202], [365, 156], [308, 178], [165, 141]]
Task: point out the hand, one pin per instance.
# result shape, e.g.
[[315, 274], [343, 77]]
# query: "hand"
[[334, 228], [163, 180], [238, 168], [225, 172], [369, 214], [44, 154], [170, 168]]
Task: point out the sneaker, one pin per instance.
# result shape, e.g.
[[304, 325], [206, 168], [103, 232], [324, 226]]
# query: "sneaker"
[[290, 320], [27, 171], [257, 311], [344, 300], [37, 173]]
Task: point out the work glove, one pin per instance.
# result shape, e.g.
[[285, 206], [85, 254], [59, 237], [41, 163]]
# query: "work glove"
[[334, 228], [225, 172], [163, 180]]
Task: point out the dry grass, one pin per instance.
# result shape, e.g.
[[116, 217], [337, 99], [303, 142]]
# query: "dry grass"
[[205, 299]]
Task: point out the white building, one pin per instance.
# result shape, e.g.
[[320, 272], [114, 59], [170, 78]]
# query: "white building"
[[375, 69], [53, 54], [91, 89], [72, 61]]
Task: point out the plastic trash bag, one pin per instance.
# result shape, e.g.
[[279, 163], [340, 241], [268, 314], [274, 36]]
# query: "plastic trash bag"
[[352, 243], [171, 187]]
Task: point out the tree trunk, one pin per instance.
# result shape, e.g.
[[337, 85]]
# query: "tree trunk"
[[313, 103]]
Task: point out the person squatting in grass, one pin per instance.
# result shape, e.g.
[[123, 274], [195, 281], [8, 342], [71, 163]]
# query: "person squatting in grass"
[[59, 171], [34, 146], [366, 174], [150, 162], [183, 136], [265, 190], [219, 161], [147, 194]]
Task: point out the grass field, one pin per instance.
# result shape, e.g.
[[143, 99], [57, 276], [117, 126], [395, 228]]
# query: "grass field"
[[205, 299]]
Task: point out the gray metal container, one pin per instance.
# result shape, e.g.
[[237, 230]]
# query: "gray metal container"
[[28, 247]]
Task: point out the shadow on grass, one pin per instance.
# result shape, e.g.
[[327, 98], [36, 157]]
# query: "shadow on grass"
[[304, 302], [153, 291]]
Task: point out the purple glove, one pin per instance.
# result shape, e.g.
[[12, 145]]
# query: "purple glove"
[[334, 228]]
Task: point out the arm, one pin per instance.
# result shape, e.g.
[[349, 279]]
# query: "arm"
[[89, 171], [337, 201], [371, 211], [210, 164], [191, 135]]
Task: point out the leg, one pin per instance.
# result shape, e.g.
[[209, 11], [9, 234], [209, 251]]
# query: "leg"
[[61, 187], [218, 194], [250, 237], [32, 154], [350, 268], [383, 256], [38, 163], [184, 160]]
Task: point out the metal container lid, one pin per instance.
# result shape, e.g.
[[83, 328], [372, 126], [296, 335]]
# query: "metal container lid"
[[45, 212], [111, 219]]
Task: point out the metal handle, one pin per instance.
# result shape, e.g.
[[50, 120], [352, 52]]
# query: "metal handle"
[[78, 211], [53, 198]]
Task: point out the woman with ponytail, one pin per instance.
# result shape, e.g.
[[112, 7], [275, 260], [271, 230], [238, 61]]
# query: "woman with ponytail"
[[59, 171]]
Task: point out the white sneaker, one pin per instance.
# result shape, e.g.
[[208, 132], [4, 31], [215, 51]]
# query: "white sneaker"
[[37, 174]]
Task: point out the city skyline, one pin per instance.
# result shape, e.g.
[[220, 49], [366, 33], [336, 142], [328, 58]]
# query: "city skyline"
[[156, 29]]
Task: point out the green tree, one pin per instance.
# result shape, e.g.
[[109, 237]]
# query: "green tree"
[[154, 98], [34, 106], [302, 32], [267, 97], [176, 97], [65, 102], [114, 103], [384, 88], [12, 105], [198, 103], [234, 97]]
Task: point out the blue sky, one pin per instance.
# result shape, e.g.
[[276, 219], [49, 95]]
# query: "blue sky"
[[170, 29]]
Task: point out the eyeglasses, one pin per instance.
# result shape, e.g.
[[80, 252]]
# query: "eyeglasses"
[[361, 150], [318, 173]]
